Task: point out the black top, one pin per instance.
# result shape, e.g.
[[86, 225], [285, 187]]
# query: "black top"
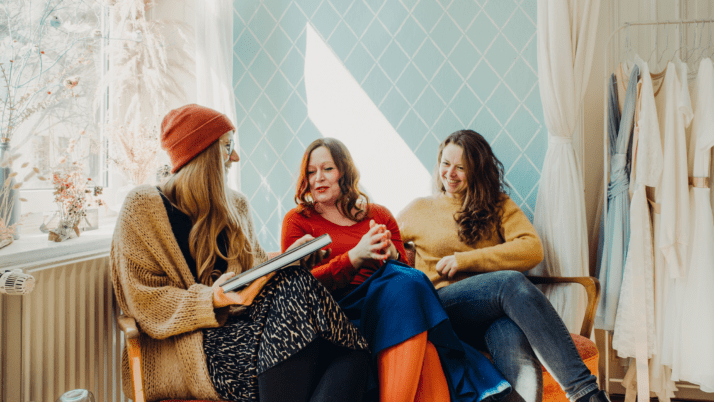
[[181, 225]]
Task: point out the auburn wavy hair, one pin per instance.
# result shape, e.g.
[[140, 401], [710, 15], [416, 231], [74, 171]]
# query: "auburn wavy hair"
[[198, 189], [350, 199], [483, 198]]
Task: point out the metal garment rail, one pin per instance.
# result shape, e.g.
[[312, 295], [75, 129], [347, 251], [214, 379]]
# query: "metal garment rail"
[[606, 165]]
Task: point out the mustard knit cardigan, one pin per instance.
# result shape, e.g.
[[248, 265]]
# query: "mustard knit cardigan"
[[154, 285]]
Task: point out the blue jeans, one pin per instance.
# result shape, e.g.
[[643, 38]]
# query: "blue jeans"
[[507, 314]]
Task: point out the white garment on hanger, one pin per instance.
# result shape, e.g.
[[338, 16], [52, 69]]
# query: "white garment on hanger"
[[671, 227], [693, 352]]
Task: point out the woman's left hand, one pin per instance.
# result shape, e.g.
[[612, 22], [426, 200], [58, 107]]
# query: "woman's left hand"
[[447, 266]]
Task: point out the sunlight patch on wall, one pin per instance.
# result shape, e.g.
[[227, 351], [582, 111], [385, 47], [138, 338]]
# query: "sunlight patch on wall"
[[340, 108]]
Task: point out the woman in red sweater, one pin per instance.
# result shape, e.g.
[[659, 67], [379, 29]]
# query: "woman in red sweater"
[[392, 304]]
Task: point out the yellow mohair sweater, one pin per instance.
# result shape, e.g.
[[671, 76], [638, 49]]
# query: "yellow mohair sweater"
[[154, 285], [429, 223]]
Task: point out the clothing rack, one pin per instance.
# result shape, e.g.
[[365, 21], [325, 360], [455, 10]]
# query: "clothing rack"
[[606, 165]]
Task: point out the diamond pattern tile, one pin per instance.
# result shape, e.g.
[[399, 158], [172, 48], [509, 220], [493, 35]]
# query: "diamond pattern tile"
[[267, 68], [517, 24], [428, 59], [278, 45], [521, 79], [393, 15], [412, 130], [262, 24], [523, 177], [278, 90], [501, 55], [293, 21], [500, 10], [263, 112], [246, 47], [394, 107], [482, 32], [430, 66], [247, 91], [325, 19], [464, 57], [359, 62], [502, 104], [522, 127], [279, 135], [463, 12], [342, 40], [394, 60], [447, 82], [294, 112], [358, 17], [293, 66], [465, 105], [447, 124], [411, 83], [410, 36], [446, 34], [376, 38], [429, 106], [428, 12]]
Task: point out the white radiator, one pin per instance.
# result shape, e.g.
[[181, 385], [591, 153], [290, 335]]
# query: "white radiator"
[[63, 335]]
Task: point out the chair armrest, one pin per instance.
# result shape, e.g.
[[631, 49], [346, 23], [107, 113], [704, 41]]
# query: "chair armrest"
[[133, 349], [592, 288], [128, 326]]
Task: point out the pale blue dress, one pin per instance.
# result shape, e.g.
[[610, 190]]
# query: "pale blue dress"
[[617, 226]]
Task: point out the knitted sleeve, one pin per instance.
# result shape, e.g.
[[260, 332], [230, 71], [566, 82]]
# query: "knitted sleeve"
[[336, 273], [147, 273], [520, 251]]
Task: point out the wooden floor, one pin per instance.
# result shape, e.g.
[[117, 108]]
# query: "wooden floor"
[[621, 398]]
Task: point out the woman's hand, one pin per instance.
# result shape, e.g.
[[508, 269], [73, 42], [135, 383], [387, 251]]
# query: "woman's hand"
[[313, 259], [371, 246], [447, 266], [243, 297], [391, 249]]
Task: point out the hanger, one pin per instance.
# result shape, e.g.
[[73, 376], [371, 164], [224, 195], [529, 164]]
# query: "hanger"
[[628, 44], [659, 61]]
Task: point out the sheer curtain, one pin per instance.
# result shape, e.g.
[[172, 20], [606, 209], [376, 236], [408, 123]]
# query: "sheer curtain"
[[214, 63], [566, 32]]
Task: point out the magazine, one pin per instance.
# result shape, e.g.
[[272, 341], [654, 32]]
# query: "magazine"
[[279, 262]]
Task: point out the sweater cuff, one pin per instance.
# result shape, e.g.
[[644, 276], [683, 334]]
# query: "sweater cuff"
[[468, 261], [204, 314]]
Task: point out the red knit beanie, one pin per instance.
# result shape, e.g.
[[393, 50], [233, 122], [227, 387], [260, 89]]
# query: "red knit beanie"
[[189, 130]]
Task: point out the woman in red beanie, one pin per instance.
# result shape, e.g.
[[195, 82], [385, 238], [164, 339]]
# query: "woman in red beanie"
[[283, 338]]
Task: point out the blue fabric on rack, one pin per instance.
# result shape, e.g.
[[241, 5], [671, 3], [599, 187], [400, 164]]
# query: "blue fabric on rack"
[[617, 229], [398, 302]]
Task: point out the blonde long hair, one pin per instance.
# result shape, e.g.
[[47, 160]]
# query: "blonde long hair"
[[198, 190]]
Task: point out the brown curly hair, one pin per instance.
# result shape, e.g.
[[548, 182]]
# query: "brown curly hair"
[[351, 198], [481, 202]]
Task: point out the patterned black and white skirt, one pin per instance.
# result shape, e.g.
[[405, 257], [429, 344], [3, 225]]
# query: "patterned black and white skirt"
[[292, 310]]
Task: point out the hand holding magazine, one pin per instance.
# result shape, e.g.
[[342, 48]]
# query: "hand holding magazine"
[[281, 261]]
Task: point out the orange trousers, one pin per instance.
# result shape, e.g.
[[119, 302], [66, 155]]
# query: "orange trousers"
[[411, 371]]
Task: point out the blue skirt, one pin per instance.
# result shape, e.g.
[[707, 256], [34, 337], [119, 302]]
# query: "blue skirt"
[[398, 302]]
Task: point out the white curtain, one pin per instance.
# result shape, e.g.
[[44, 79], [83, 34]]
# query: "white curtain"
[[214, 63], [566, 31]]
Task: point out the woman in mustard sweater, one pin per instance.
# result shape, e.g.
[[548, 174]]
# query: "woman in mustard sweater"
[[474, 242], [283, 338]]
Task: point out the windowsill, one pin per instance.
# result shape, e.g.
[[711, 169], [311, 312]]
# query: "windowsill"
[[34, 250]]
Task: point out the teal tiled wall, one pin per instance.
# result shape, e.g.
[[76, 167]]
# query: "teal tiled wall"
[[430, 66]]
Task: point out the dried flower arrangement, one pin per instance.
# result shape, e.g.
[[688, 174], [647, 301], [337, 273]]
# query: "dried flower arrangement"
[[133, 150], [73, 195]]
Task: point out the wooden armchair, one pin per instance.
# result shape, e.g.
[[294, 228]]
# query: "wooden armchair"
[[586, 347]]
